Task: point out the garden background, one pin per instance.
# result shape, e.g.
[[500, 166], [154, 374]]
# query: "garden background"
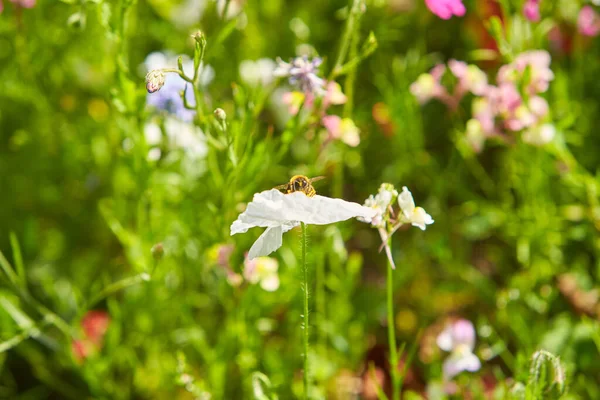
[[120, 279]]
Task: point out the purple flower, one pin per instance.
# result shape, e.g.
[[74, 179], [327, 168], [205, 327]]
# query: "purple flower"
[[459, 339], [445, 9], [302, 72], [531, 10], [588, 22]]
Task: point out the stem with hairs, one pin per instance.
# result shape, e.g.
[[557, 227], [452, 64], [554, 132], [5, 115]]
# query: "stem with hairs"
[[305, 314], [392, 332]]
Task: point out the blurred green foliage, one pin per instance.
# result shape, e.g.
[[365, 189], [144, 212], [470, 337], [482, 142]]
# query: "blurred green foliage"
[[515, 245]]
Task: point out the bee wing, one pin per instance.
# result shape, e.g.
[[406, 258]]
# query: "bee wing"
[[316, 178], [279, 187]]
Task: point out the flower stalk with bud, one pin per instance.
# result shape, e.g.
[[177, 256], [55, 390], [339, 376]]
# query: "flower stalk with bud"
[[387, 222]]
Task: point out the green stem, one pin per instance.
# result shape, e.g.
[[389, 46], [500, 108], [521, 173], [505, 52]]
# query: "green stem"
[[350, 28], [305, 315], [392, 333]]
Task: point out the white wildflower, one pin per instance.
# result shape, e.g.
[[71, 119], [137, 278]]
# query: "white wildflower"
[[416, 216], [280, 212]]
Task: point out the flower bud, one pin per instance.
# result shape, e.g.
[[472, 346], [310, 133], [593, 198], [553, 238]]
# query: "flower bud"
[[155, 79], [220, 114], [158, 251], [200, 38]]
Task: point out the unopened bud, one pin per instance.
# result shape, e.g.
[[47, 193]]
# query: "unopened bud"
[[200, 38], [155, 79], [220, 114], [158, 251]]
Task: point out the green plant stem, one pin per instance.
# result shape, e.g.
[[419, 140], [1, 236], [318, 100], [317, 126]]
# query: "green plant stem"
[[348, 33], [305, 314], [392, 333]]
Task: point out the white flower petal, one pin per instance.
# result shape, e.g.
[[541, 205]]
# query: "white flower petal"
[[406, 202], [456, 363], [420, 218], [268, 242], [272, 208], [470, 362], [444, 340]]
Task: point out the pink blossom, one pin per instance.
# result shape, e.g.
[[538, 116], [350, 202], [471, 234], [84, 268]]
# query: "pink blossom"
[[470, 79], [459, 339], [342, 129], [333, 95], [531, 10], [445, 9], [540, 74], [94, 325], [429, 86], [588, 22]]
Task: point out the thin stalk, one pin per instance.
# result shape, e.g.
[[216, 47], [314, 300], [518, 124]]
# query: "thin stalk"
[[392, 332], [305, 315], [350, 27]]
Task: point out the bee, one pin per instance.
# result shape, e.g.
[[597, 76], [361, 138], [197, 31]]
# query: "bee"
[[300, 183]]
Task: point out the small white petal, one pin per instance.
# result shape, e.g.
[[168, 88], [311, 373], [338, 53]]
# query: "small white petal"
[[420, 218], [456, 363], [406, 202], [444, 340], [268, 242], [470, 362]]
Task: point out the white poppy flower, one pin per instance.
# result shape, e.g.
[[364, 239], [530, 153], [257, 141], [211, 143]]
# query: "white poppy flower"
[[280, 212], [414, 215]]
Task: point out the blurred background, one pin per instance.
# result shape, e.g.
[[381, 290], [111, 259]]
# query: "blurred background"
[[120, 279]]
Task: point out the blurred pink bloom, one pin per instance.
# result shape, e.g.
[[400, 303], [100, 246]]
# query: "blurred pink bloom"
[[333, 95], [445, 9], [540, 74], [94, 325], [262, 270], [342, 129], [459, 339], [19, 3], [224, 251], [293, 100], [531, 10], [470, 79], [429, 86], [588, 22]]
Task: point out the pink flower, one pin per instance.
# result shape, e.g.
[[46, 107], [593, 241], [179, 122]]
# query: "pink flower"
[[470, 79], [445, 9], [342, 129], [588, 22], [531, 10], [94, 325], [293, 100], [262, 270], [429, 86], [333, 95], [540, 74], [459, 339]]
